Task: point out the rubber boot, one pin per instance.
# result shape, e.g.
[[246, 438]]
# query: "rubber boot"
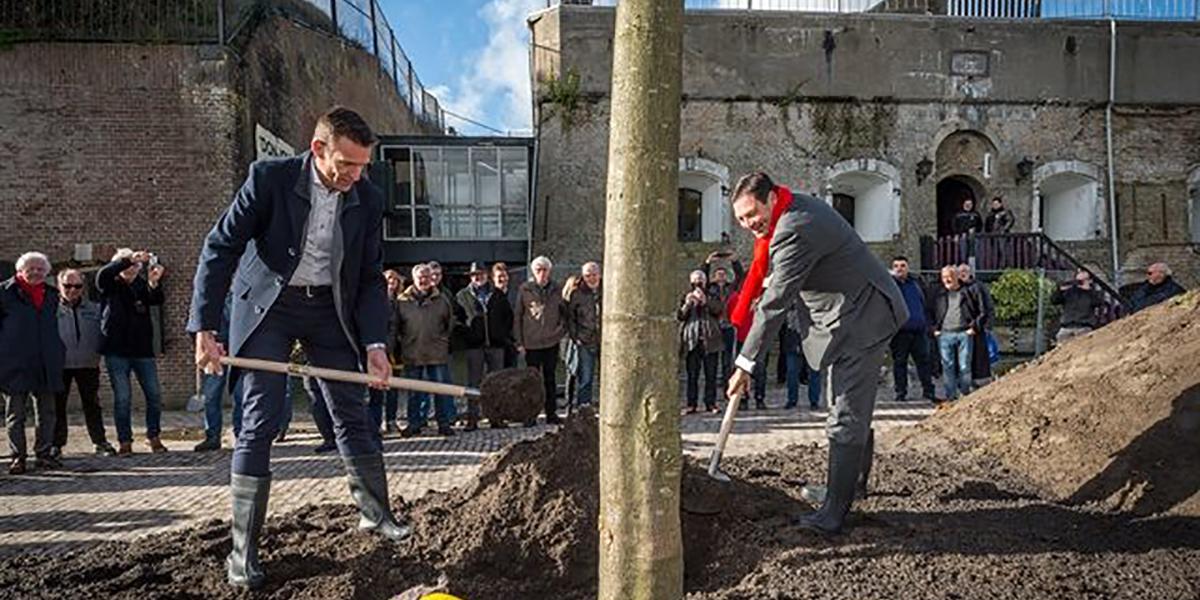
[[815, 494], [249, 496], [368, 487], [845, 464]]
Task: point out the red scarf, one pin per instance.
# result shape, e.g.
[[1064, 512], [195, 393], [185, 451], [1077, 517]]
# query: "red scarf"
[[752, 288], [37, 293]]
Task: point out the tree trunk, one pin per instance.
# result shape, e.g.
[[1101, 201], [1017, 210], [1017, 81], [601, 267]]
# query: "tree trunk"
[[641, 549]]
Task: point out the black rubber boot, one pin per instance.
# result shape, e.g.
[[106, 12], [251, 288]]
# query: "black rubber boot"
[[368, 487], [250, 495], [845, 465], [815, 494]]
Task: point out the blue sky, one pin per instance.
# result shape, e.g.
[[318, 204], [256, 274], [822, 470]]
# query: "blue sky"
[[472, 54]]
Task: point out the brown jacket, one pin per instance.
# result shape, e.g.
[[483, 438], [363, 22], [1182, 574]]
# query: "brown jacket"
[[583, 316], [422, 328], [540, 318], [698, 324]]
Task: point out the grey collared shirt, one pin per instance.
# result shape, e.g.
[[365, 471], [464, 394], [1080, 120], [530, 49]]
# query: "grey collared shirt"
[[315, 267]]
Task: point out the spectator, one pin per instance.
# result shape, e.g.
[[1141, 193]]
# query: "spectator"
[[956, 315], [584, 309], [967, 220], [1000, 219], [500, 283], [913, 337], [423, 324], [700, 339], [31, 358], [390, 397], [128, 343], [721, 288], [797, 364], [1159, 286], [1080, 301], [487, 323], [981, 359], [213, 389], [436, 269], [539, 324], [567, 346], [79, 328]]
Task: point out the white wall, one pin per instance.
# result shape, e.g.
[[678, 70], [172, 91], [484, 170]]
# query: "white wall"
[[1071, 207], [875, 210], [714, 210]]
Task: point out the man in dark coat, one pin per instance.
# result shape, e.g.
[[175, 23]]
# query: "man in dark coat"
[[303, 236], [31, 358], [1159, 286], [967, 220]]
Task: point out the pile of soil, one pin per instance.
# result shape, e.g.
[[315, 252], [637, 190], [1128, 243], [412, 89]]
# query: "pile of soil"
[[512, 394], [1112, 418]]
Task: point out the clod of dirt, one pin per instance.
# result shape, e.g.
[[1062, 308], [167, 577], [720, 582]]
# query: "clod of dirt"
[[512, 394], [1112, 418]]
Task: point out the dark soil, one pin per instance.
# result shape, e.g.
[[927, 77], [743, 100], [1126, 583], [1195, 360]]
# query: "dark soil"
[[512, 394], [981, 501]]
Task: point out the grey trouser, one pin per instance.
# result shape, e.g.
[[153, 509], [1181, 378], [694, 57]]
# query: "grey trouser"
[[853, 380], [14, 412]]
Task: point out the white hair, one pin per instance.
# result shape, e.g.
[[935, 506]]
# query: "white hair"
[[1158, 265], [699, 273], [123, 254], [588, 267], [29, 257], [417, 269], [541, 261]]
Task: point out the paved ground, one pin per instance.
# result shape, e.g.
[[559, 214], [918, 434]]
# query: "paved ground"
[[95, 498]]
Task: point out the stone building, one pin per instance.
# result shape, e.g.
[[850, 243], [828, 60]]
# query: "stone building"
[[895, 119]]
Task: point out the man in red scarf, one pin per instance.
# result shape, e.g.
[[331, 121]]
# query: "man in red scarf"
[[814, 256]]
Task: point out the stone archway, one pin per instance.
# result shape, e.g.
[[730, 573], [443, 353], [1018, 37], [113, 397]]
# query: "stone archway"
[[965, 163], [867, 192]]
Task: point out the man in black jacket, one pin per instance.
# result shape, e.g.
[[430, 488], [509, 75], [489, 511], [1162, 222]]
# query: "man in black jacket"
[[967, 220], [487, 323], [128, 344], [1000, 220], [956, 319], [1080, 301], [1159, 286]]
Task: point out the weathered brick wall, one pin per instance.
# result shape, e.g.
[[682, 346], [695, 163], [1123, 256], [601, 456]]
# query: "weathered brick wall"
[[143, 146]]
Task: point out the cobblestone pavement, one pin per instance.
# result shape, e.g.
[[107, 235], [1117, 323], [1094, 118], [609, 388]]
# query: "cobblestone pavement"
[[97, 498]]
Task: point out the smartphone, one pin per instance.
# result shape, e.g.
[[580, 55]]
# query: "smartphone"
[[153, 260]]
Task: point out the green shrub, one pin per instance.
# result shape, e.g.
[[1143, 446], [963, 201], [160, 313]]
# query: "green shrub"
[[1015, 296]]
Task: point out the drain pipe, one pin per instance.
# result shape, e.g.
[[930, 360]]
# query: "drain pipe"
[[1108, 126]]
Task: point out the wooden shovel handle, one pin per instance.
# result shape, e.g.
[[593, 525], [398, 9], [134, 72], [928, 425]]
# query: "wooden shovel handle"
[[415, 385]]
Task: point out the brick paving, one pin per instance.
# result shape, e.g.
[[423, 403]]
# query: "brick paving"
[[103, 498]]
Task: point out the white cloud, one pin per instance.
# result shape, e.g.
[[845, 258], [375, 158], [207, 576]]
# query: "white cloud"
[[495, 88]]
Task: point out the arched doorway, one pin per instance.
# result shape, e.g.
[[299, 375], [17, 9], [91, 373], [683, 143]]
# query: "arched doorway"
[[951, 192], [866, 192]]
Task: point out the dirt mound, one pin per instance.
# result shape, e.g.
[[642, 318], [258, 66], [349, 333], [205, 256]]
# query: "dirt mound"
[[512, 394], [1112, 418]]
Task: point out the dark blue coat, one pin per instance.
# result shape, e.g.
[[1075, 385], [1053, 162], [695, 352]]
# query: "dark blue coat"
[[261, 238], [31, 352]]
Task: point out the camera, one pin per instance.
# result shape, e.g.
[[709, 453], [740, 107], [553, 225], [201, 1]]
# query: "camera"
[[153, 260]]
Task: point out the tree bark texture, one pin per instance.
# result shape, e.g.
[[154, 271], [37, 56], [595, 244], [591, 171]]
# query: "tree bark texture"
[[641, 550]]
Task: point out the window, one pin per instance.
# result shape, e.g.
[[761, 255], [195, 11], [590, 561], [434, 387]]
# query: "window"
[[689, 215], [866, 193], [844, 205], [1068, 201]]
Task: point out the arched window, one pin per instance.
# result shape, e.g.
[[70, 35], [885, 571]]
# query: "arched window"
[[689, 215], [867, 193], [704, 213], [1068, 201]]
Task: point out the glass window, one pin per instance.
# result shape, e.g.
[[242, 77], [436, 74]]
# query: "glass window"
[[514, 165], [487, 176], [689, 215], [428, 177], [398, 226], [489, 223], [458, 176], [401, 159], [844, 205]]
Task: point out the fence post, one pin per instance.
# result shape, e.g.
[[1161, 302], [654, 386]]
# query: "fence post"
[[1040, 332], [333, 17], [221, 22], [395, 60], [374, 30]]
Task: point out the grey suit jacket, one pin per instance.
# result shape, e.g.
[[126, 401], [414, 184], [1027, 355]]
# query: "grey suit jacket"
[[851, 301]]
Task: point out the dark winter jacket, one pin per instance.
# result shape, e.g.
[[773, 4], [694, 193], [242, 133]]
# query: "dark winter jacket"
[[79, 329], [999, 221], [31, 353], [916, 297], [967, 222], [126, 324], [487, 326], [583, 316], [1148, 295], [972, 309], [1079, 305], [722, 292], [699, 326]]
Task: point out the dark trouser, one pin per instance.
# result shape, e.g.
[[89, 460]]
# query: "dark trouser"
[[546, 359], [481, 361], [916, 345], [88, 381], [312, 319], [727, 355], [146, 369], [319, 410], [981, 359], [759, 376], [213, 388], [510, 356], [14, 413], [696, 358], [443, 406]]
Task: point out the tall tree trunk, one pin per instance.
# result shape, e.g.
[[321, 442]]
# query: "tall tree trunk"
[[641, 549]]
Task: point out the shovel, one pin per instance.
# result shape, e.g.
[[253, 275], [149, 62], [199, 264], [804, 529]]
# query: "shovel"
[[714, 462], [197, 401], [415, 385]]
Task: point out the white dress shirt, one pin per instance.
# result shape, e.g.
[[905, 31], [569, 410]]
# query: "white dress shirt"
[[315, 267]]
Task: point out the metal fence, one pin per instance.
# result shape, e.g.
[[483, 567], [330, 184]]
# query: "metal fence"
[[360, 22], [1133, 10]]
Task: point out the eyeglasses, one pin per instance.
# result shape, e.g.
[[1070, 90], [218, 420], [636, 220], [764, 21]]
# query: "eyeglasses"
[[73, 286]]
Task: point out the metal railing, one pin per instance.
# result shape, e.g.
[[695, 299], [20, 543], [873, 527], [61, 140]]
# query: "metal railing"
[[361, 23], [1134, 10]]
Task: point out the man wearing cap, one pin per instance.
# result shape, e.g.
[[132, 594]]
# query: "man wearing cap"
[[487, 323]]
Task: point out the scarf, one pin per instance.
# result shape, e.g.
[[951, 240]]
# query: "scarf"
[[752, 288], [37, 293]]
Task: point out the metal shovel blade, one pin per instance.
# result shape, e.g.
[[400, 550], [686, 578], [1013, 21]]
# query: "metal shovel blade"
[[714, 468]]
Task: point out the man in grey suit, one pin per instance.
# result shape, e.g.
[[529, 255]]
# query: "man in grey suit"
[[853, 309]]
